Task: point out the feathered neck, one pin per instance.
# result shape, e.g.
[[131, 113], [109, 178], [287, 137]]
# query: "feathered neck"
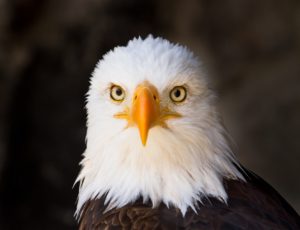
[[179, 166]]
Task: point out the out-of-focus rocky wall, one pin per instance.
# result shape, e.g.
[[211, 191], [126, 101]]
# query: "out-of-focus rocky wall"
[[49, 48]]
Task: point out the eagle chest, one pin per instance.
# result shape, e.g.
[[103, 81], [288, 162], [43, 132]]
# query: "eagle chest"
[[136, 216]]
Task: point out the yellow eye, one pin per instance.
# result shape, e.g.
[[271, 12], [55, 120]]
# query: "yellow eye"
[[117, 93], [178, 94]]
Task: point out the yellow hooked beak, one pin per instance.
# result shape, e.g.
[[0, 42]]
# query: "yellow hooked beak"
[[146, 111]]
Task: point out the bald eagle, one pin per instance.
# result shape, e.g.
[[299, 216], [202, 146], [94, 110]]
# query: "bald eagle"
[[157, 155]]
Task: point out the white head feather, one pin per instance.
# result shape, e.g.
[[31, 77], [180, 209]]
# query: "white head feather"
[[180, 164]]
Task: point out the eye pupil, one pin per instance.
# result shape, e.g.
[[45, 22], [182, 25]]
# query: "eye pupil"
[[119, 92], [177, 93]]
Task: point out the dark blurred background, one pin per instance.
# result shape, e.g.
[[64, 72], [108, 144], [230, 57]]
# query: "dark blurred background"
[[49, 48]]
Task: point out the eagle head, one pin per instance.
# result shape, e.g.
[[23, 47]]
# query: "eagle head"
[[152, 130]]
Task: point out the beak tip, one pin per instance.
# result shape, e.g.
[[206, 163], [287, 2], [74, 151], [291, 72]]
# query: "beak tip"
[[144, 141]]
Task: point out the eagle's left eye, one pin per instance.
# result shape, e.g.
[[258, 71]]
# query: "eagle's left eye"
[[178, 94], [117, 93]]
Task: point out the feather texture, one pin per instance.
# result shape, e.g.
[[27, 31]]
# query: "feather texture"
[[251, 205], [186, 176], [180, 164]]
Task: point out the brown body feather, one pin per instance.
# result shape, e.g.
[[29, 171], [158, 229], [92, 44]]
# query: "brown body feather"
[[251, 205]]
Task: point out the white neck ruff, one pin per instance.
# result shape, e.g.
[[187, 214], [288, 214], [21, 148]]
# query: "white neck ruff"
[[177, 167]]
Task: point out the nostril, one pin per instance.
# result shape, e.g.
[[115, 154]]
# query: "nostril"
[[135, 97], [154, 97]]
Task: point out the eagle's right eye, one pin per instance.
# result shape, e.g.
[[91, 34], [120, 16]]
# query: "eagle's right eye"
[[117, 93]]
